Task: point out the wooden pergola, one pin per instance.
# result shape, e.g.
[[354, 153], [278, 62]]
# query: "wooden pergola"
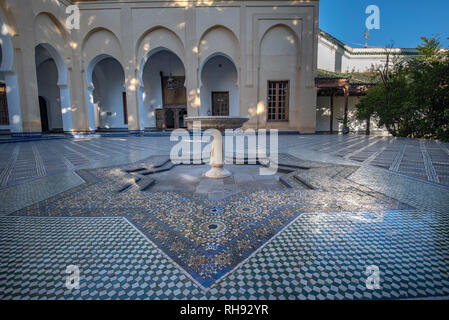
[[331, 84]]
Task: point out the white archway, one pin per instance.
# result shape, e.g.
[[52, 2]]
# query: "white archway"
[[150, 44], [219, 73], [56, 90], [157, 64], [105, 79]]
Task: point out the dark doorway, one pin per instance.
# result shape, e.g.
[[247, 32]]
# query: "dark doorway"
[[182, 116], [169, 119], [44, 115], [220, 103], [125, 108]]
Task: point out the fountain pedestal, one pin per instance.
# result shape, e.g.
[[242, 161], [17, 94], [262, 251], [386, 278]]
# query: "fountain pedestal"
[[220, 124]]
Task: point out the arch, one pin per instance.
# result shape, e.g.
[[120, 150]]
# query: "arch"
[[219, 39], [90, 91], [213, 55], [155, 40], [101, 41], [45, 52], [219, 73], [159, 62], [62, 68], [279, 60], [281, 26], [48, 29], [92, 64]]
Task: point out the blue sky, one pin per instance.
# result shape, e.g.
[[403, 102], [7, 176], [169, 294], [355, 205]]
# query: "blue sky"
[[400, 20]]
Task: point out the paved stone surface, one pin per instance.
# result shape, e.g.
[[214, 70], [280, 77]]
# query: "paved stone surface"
[[379, 202], [20, 162]]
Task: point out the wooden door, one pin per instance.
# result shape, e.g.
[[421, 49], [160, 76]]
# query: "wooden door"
[[220, 103]]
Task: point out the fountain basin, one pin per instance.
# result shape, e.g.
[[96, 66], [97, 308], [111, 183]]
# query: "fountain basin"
[[220, 124]]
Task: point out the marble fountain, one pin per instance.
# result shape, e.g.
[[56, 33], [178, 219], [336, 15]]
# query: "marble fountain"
[[220, 124]]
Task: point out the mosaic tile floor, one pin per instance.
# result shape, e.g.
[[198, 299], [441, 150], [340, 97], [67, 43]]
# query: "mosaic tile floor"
[[294, 243]]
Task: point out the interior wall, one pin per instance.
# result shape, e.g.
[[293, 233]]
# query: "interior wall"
[[47, 79], [108, 93], [216, 78], [323, 115], [163, 61]]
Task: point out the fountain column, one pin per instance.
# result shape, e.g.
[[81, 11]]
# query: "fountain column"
[[216, 126], [217, 170]]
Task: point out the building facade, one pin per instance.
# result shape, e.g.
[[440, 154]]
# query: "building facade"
[[129, 59], [344, 76], [145, 65]]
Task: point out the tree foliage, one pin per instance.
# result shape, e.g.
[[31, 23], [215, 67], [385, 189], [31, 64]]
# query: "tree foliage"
[[412, 97]]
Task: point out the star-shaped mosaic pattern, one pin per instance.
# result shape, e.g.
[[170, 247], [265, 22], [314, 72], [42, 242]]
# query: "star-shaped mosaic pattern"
[[207, 238]]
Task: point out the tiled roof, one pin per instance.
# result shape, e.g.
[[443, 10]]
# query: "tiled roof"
[[354, 77], [367, 51]]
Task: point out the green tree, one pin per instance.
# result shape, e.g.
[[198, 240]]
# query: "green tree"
[[411, 99]]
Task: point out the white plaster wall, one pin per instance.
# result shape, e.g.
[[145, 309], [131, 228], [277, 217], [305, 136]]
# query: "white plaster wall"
[[333, 58], [326, 57], [48, 30], [361, 63], [163, 61], [219, 40], [108, 93], [156, 40], [279, 61], [115, 28], [100, 42], [47, 78], [215, 78], [323, 115], [228, 16]]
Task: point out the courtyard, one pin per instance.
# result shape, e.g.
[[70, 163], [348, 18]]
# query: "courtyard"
[[340, 204]]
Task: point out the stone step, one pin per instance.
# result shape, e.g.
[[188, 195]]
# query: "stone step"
[[284, 169], [145, 183], [286, 183], [164, 168], [294, 166], [304, 181], [151, 166], [123, 188]]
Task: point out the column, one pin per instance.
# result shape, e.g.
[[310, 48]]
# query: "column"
[[132, 84], [191, 64], [66, 109], [25, 64], [345, 119]]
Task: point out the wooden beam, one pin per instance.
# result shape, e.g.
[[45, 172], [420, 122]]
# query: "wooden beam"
[[332, 113]]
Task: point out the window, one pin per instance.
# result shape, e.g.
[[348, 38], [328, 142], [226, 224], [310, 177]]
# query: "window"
[[4, 116], [278, 95]]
